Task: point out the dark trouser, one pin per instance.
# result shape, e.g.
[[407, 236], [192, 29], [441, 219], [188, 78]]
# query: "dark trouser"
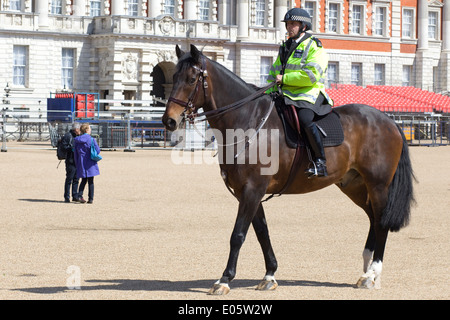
[[71, 181], [90, 182]]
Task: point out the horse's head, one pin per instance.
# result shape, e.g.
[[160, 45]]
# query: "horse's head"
[[189, 87]]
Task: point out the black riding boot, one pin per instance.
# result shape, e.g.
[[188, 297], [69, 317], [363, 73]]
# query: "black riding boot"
[[320, 163]]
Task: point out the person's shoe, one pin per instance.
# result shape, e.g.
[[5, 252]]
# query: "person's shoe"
[[66, 200], [76, 199], [81, 200], [90, 201], [318, 170]]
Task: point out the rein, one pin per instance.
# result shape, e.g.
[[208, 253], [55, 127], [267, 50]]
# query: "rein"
[[230, 107], [201, 81]]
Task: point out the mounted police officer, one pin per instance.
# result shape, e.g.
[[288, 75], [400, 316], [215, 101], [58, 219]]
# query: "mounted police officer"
[[300, 71]]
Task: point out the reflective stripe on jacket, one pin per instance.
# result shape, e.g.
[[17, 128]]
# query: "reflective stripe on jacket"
[[305, 72]]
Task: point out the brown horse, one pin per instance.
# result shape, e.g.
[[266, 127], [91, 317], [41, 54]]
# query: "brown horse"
[[372, 165]]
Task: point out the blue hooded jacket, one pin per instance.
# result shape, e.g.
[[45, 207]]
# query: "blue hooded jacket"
[[86, 167]]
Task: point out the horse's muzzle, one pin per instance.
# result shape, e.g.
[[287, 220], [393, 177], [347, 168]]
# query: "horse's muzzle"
[[169, 123]]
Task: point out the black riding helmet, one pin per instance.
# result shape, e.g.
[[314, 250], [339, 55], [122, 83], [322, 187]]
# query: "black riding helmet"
[[301, 15]]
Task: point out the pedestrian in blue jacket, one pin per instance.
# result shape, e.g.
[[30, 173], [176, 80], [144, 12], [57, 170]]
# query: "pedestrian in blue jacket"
[[87, 168]]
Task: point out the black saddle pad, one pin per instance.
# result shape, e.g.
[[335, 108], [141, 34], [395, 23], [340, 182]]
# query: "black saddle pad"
[[329, 125]]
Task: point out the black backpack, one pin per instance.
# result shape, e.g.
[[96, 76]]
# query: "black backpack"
[[61, 154]]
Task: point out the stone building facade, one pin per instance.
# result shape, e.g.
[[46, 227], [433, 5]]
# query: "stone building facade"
[[124, 49]]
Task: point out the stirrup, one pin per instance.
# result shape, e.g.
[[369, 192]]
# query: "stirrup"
[[319, 169]]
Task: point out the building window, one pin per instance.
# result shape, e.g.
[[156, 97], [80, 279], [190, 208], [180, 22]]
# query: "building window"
[[432, 25], [260, 13], [310, 8], [357, 19], [169, 7], [406, 76], [15, 5], [20, 58], [204, 10], [379, 75], [133, 8], [332, 73], [266, 63], [380, 21], [356, 74], [436, 80], [408, 23], [333, 17], [96, 8], [67, 67], [56, 7]]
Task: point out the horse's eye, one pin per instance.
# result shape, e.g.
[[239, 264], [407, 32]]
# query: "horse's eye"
[[192, 80]]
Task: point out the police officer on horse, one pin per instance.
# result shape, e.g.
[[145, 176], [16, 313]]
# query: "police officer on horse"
[[300, 71]]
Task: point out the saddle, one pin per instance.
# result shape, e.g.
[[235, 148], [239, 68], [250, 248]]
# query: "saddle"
[[329, 125]]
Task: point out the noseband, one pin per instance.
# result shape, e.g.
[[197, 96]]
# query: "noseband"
[[201, 81]]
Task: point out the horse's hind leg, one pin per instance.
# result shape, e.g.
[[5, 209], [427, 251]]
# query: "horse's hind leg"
[[354, 187], [375, 244], [262, 232]]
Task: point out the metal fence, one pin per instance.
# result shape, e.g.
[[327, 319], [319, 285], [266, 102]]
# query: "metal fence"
[[130, 130]]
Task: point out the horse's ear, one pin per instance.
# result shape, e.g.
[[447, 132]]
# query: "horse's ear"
[[179, 52], [195, 53]]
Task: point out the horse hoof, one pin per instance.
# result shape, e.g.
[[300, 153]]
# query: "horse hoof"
[[368, 283], [219, 289], [266, 285]]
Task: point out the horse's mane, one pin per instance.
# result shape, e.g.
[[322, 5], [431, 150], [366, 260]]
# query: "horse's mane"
[[188, 61]]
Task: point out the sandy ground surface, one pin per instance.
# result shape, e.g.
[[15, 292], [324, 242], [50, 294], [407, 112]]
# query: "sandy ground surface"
[[160, 230]]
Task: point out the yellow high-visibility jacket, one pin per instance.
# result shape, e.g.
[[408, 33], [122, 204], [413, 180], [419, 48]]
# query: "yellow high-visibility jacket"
[[304, 71]]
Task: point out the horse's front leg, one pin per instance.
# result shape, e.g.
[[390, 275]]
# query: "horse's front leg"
[[262, 232], [250, 199]]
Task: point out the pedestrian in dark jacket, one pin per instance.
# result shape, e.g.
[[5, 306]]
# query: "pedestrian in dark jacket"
[[71, 171], [87, 168]]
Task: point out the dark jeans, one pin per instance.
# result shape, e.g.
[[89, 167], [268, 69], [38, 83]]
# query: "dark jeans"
[[71, 181], [90, 182]]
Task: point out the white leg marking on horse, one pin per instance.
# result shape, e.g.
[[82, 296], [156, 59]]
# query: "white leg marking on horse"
[[373, 275], [222, 284], [270, 278], [367, 256]]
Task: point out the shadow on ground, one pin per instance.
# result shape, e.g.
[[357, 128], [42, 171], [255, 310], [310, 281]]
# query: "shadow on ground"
[[201, 286]]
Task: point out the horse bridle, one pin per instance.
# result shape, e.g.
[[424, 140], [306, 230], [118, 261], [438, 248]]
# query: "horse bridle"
[[190, 110], [201, 81]]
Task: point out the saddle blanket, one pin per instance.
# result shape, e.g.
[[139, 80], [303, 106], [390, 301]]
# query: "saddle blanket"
[[329, 126]]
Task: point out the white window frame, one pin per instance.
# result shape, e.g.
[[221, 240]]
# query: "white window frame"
[[264, 67], [409, 27], [407, 75], [356, 78], [339, 16], [311, 7], [95, 8], [362, 20], [330, 78], [261, 8], [376, 21], [20, 66], [134, 8], [170, 5], [204, 10], [17, 4], [437, 26], [68, 56], [379, 75], [56, 6]]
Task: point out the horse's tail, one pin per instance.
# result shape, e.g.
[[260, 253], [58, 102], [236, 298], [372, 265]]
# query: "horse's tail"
[[400, 199]]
